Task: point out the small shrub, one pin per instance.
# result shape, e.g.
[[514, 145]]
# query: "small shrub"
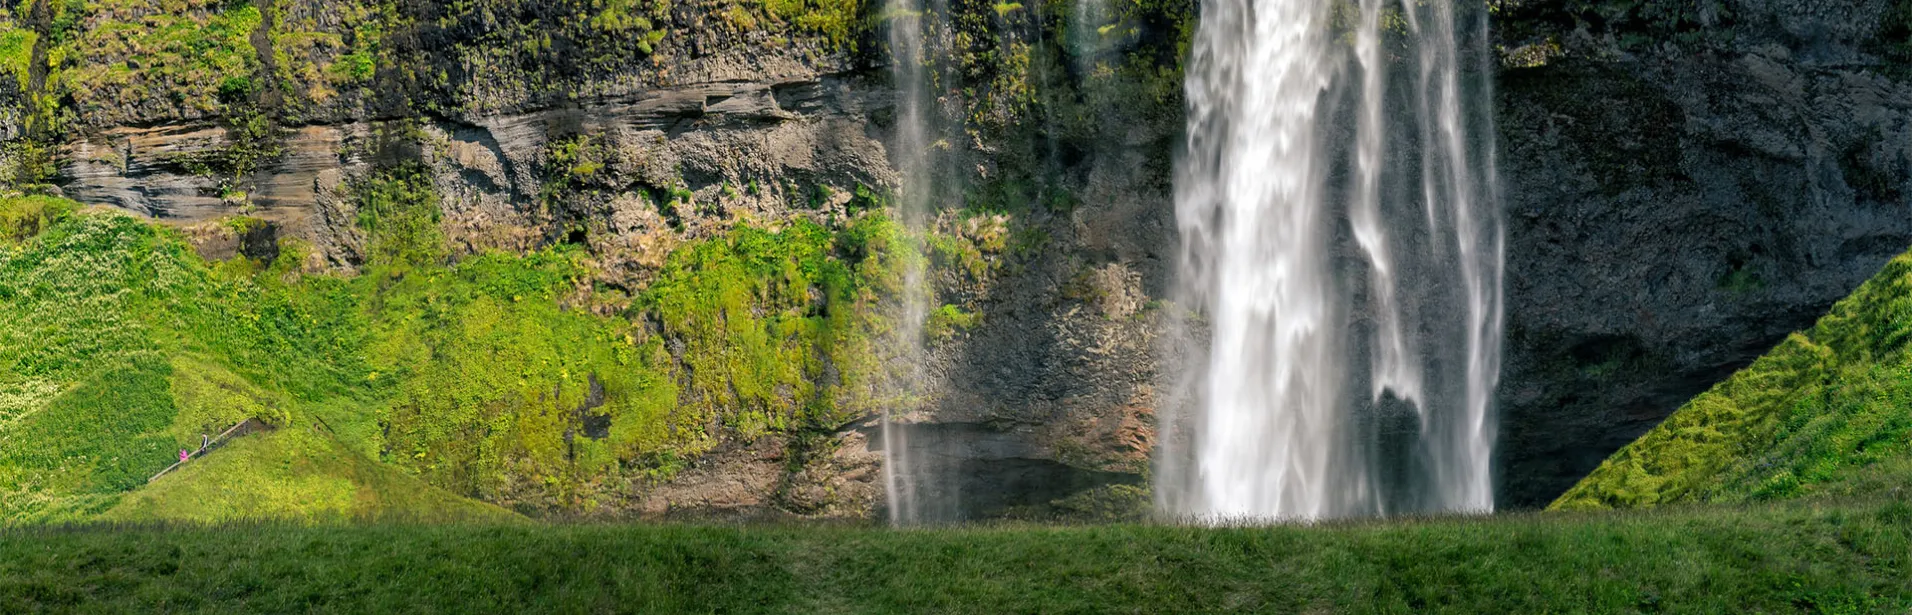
[[24, 217], [947, 322]]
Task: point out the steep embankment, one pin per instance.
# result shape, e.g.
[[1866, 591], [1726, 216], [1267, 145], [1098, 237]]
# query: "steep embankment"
[[496, 377], [1687, 183], [121, 346], [297, 473], [1827, 412]]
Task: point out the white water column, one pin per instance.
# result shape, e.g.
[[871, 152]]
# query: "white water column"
[[903, 475], [1334, 282]]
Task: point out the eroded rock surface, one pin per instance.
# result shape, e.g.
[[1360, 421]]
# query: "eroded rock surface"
[[1675, 210]]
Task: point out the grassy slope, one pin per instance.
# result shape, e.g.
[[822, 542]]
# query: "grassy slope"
[[297, 473], [1794, 558], [1827, 412], [119, 345]]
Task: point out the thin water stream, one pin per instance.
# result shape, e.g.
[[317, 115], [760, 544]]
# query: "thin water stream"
[[904, 473]]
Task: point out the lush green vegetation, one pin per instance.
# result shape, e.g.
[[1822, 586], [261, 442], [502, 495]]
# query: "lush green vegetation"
[[298, 473], [119, 346], [1829, 411], [495, 377], [24, 217], [196, 53], [1795, 558]]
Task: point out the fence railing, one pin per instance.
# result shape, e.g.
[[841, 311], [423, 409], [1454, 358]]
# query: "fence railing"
[[237, 429]]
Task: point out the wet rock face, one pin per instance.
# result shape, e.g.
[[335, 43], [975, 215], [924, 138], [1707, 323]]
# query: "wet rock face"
[[1674, 212]]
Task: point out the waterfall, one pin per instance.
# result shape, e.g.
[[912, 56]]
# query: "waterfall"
[[903, 474], [1347, 290], [1086, 20]]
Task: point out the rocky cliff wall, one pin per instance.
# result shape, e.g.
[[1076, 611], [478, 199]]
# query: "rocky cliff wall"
[[632, 130], [1684, 185]]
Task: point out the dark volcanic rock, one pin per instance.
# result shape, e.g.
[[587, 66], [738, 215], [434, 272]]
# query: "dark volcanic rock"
[[1675, 210]]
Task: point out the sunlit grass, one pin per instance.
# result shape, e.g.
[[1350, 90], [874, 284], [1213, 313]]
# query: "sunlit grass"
[[1828, 411], [1853, 557], [476, 373]]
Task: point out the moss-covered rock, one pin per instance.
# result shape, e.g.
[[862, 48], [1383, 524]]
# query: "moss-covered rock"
[[1828, 411]]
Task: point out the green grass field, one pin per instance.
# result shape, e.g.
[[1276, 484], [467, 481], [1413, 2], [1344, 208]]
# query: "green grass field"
[[1790, 558]]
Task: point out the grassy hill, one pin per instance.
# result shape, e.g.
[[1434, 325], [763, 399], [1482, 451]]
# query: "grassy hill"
[[297, 473], [1783, 558], [509, 378], [1827, 412]]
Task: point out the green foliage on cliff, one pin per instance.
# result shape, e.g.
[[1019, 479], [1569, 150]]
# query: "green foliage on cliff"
[[948, 321], [16, 53], [842, 22], [790, 324], [1734, 560], [1827, 412], [399, 214], [497, 376], [194, 54]]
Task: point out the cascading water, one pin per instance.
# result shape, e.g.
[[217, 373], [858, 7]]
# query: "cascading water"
[[1086, 20], [903, 472], [1352, 322]]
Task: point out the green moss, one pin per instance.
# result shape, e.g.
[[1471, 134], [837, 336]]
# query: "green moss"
[[1816, 415], [947, 321], [765, 316], [187, 54], [398, 211], [842, 22], [1740, 280], [16, 52], [486, 371], [30, 167], [969, 242]]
